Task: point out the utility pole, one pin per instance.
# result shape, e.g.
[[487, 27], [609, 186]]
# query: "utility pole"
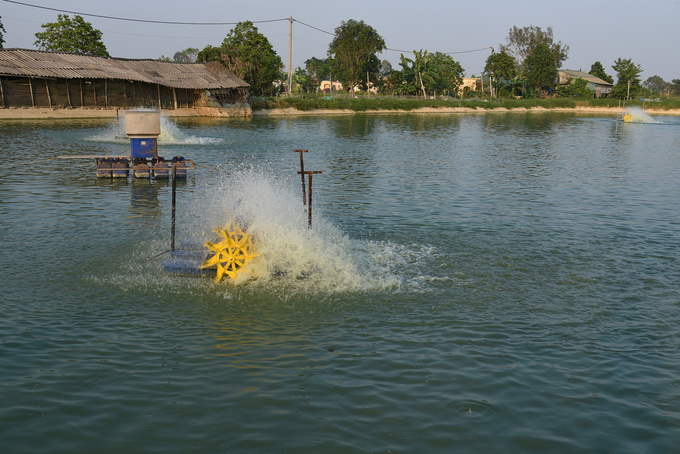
[[290, 56]]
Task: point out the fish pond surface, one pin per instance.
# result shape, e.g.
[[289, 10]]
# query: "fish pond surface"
[[477, 283]]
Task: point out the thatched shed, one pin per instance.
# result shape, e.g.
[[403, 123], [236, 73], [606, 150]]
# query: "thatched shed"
[[31, 78]]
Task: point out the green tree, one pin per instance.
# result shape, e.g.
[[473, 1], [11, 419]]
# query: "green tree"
[[71, 35], [2, 30], [318, 69], [655, 84], [449, 73], [385, 69], [187, 55], [597, 70], [209, 54], [500, 66], [576, 88], [396, 83], [303, 81], [418, 72], [521, 42], [675, 86], [248, 54], [541, 70], [372, 69], [626, 71], [352, 48]]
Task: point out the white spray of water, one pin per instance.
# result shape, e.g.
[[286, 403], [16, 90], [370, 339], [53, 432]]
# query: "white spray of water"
[[638, 115], [170, 133], [322, 258]]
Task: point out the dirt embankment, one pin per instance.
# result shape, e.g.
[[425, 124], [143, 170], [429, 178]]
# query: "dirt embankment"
[[34, 113]]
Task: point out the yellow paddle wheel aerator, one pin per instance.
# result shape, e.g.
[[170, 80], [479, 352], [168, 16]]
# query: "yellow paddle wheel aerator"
[[232, 254], [627, 117]]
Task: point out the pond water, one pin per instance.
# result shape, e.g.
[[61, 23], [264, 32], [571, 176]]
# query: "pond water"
[[492, 283]]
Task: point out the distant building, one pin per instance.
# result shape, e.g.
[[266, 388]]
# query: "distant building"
[[469, 84], [325, 86], [598, 86], [31, 78]]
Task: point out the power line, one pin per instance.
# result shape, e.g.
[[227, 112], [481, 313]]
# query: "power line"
[[211, 23], [318, 29], [447, 53], [137, 20]]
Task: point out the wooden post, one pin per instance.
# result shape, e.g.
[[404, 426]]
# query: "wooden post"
[[159, 96], [82, 97], [68, 94], [302, 175], [94, 89], [2, 93], [174, 97], [49, 98], [106, 93], [125, 93], [30, 87]]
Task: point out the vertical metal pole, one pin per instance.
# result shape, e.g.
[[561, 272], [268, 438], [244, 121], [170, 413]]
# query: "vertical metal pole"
[[174, 199], [309, 205], [309, 201], [302, 175]]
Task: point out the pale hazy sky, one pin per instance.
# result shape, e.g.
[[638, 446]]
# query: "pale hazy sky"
[[646, 32]]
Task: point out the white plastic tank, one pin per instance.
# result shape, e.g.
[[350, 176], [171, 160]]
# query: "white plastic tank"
[[143, 124]]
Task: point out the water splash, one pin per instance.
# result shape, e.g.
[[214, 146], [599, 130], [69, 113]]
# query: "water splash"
[[171, 134], [638, 115], [291, 255]]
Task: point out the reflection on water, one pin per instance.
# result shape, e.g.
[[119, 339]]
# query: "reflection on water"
[[144, 203], [488, 282]]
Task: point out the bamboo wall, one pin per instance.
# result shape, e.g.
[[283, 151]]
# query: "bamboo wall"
[[92, 93]]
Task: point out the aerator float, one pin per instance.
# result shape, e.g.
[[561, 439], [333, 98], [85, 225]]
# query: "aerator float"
[[142, 128]]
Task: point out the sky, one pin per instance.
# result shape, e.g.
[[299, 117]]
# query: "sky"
[[645, 32]]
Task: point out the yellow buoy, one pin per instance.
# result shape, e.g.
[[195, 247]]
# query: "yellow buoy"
[[232, 254], [627, 117]]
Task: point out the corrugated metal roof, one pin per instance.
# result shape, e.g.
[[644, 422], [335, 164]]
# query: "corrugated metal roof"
[[586, 76], [35, 63]]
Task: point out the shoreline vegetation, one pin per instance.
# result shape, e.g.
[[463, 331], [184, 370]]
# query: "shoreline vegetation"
[[400, 105], [292, 106]]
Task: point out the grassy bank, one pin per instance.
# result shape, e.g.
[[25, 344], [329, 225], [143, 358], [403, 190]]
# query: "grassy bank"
[[389, 103]]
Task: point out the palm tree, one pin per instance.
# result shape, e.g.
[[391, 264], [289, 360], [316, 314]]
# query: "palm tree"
[[419, 71]]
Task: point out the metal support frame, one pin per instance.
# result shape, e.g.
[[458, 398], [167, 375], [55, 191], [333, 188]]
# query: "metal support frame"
[[302, 176], [309, 200]]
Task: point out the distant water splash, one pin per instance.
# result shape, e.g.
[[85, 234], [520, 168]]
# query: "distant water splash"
[[171, 134], [638, 115]]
